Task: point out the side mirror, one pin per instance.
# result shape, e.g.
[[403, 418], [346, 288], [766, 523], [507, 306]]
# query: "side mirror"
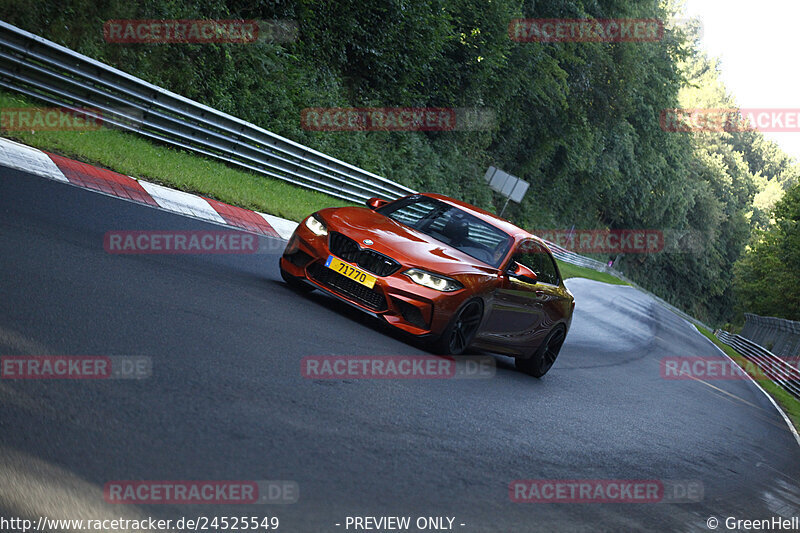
[[521, 272], [376, 203]]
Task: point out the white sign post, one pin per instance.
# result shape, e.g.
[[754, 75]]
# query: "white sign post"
[[509, 186]]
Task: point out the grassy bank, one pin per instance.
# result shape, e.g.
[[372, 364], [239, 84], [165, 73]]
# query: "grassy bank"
[[573, 271], [135, 156]]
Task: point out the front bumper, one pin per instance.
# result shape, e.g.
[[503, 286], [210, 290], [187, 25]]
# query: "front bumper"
[[395, 298]]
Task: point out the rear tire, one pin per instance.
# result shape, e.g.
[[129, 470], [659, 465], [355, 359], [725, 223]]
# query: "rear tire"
[[542, 360], [295, 283], [458, 334]]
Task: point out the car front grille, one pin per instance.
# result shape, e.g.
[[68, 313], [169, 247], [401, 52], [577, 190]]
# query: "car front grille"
[[370, 260], [367, 297]]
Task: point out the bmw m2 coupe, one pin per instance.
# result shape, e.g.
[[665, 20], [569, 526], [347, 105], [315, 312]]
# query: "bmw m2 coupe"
[[441, 269]]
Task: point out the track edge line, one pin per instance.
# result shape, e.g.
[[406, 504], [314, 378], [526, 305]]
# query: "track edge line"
[[769, 397]]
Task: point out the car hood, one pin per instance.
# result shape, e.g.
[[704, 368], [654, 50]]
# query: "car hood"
[[410, 247]]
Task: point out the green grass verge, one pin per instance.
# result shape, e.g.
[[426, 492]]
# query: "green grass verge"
[[573, 271], [136, 156], [789, 403]]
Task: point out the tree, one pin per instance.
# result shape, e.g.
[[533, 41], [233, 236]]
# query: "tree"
[[767, 277]]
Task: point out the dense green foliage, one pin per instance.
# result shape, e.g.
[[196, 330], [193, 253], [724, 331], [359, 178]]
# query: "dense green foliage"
[[579, 121], [768, 275]]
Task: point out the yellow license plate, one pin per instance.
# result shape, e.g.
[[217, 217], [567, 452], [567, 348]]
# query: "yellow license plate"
[[350, 271]]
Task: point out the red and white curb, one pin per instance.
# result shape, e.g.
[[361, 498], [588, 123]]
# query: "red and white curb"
[[28, 159]]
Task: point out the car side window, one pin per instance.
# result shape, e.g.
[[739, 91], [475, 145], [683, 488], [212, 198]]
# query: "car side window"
[[535, 257]]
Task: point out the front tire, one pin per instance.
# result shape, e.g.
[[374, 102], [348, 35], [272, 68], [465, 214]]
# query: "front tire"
[[542, 360], [458, 334]]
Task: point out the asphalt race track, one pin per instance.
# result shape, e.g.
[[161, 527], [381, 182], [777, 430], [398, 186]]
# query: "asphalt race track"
[[227, 401]]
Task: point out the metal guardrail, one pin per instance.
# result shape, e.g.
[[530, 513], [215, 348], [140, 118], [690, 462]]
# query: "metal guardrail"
[[779, 370], [51, 73]]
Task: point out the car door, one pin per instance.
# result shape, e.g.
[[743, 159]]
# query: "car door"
[[518, 305], [552, 298]]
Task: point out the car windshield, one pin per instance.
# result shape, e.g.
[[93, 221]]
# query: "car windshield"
[[451, 226]]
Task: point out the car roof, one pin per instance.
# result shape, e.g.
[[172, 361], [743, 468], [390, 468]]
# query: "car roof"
[[486, 216]]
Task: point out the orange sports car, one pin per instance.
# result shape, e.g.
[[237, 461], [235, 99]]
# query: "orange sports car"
[[440, 269]]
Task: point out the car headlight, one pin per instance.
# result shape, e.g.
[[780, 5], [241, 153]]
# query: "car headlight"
[[316, 226], [433, 281]]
